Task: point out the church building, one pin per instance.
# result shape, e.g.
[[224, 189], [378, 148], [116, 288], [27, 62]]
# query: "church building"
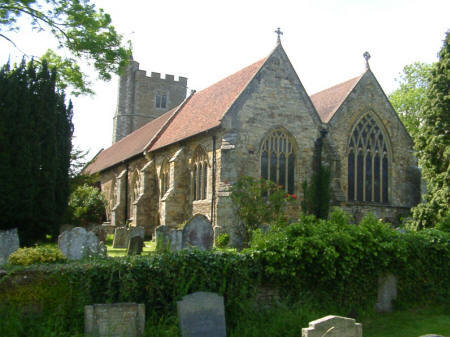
[[175, 156]]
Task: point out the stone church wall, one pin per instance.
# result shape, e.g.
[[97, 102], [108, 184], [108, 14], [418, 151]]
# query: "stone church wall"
[[404, 177]]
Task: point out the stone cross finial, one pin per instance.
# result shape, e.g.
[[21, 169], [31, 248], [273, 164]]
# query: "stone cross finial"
[[367, 57], [278, 32]]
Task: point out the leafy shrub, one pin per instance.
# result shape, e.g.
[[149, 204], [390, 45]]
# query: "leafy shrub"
[[258, 202], [38, 254], [86, 205], [222, 240]]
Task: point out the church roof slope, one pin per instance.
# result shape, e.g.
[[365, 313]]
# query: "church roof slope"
[[206, 108], [199, 113], [329, 100], [128, 146]]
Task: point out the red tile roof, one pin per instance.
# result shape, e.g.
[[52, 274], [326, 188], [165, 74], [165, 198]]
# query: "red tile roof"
[[329, 100], [199, 113]]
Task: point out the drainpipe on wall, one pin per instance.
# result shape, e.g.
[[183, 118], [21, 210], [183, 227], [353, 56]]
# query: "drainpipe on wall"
[[126, 194], [319, 145], [213, 185]]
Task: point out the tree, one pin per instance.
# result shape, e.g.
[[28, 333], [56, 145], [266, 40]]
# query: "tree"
[[433, 144], [86, 205], [79, 28], [35, 144], [409, 98]]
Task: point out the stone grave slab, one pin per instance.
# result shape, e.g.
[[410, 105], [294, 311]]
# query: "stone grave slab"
[[9, 243], [120, 237], [333, 326], [114, 320], [176, 240], [198, 232], [135, 245], [136, 231], [202, 314], [78, 243], [387, 292], [162, 238]]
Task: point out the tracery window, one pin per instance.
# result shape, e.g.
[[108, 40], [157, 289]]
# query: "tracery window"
[[164, 177], [278, 159], [136, 186], [368, 163], [199, 173]]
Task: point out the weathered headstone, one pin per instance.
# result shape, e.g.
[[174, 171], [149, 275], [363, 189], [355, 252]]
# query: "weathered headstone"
[[431, 335], [333, 326], [100, 232], [176, 240], [78, 243], [120, 237], [114, 320], [135, 246], [136, 231], [202, 314], [162, 238], [198, 232], [9, 243], [387, 291]]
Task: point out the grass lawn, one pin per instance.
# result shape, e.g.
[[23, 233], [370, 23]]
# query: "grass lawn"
[[150, 246], [409, 323]]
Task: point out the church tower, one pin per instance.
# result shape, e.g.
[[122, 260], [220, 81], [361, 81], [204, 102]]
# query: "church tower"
[[142, 98]]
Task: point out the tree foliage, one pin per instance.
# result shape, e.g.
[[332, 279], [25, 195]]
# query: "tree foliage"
[[433, 145], [80, 29], [35, 143], [410, 96], [86, 205]]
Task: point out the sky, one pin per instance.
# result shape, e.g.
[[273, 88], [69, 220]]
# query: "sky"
[[206, 41]]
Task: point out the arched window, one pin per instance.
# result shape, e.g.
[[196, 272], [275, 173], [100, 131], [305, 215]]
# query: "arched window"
[[199, 174], [136, 186], [164, 177], [278, 159], [368, 163]]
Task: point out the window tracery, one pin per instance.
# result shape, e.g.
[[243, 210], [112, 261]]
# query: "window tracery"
[[199, 174], [277, 161], [164, 177], [368, 163]]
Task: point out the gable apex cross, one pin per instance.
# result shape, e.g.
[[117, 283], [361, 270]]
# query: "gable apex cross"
[[279, 33], [367, 57]]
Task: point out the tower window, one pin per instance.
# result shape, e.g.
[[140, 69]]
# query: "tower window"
[[161, 100], [367, 163]]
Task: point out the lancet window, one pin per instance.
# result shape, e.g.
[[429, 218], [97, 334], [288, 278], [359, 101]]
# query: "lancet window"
[[164, 177], [278, 159], [136, 186], [368, 163], [199, 174]]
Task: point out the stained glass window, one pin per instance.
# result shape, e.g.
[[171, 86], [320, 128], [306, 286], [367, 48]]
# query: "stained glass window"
[[367, 163], [278, 159]]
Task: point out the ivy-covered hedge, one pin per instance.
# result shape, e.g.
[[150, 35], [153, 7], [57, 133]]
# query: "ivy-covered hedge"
[[332, 262]]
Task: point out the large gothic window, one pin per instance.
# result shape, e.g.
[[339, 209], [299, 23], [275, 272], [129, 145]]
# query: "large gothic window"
[[368, 163], [199, 173], [278, 159], [164, 177]]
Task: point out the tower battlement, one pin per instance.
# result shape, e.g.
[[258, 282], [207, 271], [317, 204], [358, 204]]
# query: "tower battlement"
[[142, 98]]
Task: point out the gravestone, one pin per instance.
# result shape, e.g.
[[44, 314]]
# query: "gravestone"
[[176, 240], [136, 231], [78, 243], [162, 237], [333, 326], [120, 237], [135, 246], [9, 243], [198, 232], [431, 335], [100, 232], [387, 291], [114, 320], [202, 314]]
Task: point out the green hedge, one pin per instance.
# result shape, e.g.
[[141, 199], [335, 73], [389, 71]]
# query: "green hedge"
[[327, 262]]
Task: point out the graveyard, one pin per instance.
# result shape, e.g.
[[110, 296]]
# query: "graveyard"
[[304, 279]]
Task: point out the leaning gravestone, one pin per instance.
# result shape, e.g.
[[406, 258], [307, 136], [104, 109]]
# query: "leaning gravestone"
[[387, 291], [198, 232], [120, 237], [135, 246], [202, 314], [78, 243], [333, 326], [114, 320], [9, 243], [136, 231]]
